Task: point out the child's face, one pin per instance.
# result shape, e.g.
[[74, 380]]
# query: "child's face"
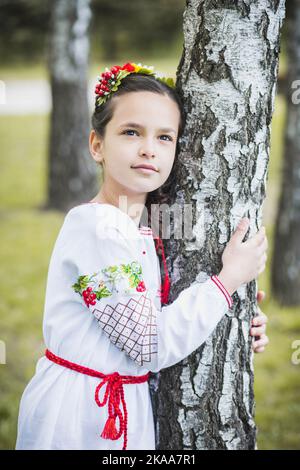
[[125, 146]]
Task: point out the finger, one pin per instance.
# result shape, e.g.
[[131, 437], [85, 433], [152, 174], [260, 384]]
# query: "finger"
[[255, 320], [262, 268], [262, 264], [258, 331], [263, 258], [260, 296], [262, 248], [259, 350], [263, 341], [263, 241], [260, 319], [258, 238], [241, 230]]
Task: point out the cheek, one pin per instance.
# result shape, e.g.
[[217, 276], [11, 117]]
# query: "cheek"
[[164, 174], [117, 160], [168, 163]]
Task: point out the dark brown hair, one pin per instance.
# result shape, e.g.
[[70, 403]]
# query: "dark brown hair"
[[104, 113]]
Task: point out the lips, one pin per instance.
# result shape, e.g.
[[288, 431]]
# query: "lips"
[[147, 167]]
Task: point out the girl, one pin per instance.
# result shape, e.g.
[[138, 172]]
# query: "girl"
[[104, 327]]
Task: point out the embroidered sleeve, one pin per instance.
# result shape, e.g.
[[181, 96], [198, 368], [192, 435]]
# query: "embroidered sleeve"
[[117, 297], [104, 275]]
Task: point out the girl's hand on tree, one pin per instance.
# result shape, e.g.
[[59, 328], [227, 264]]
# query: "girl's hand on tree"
[[259, 325], [243, 261]]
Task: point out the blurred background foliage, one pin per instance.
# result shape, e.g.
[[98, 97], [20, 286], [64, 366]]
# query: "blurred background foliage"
[[120, 30]]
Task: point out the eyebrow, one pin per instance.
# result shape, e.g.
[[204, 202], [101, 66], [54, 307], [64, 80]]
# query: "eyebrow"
[[139, 126]]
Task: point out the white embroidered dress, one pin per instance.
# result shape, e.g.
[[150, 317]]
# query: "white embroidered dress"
[[103, 311]]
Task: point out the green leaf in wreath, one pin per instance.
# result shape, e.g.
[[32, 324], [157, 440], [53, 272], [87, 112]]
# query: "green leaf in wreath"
[[122, 74], [146, 71]]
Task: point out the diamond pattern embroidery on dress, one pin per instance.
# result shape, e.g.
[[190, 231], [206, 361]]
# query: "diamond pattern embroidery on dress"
[[127, 318]]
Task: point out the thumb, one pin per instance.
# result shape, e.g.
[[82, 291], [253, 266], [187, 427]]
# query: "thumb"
[[260, 296], [241, 230]]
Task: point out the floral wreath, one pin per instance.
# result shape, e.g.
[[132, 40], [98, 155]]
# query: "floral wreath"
[[110, 80]]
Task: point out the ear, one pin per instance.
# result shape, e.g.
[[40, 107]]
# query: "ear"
[[95, 146]]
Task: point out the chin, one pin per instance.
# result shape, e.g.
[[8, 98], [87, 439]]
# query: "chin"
[[139, 184], [145, 186]]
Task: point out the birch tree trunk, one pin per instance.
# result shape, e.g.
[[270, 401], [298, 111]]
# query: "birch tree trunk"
[[71, 172], [227, 77], [286, 258]]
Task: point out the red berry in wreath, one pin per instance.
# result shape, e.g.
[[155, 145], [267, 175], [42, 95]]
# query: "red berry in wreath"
[[115, 69]]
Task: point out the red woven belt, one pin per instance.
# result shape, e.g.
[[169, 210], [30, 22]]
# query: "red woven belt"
[[114, 393]]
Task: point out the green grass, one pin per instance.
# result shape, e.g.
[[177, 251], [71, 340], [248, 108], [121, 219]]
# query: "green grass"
[[28, 235], [277, 379], [27, 238], [20, 71], [24, 142]]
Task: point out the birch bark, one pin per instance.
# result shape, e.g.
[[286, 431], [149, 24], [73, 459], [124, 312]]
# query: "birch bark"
[[227, 77]]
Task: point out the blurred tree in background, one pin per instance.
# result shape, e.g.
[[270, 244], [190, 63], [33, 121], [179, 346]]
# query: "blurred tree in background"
[[118, 27], [131, 26], [24, 25], [286, 259], [70, 164]]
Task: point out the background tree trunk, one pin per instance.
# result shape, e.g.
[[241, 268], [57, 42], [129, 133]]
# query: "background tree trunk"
[[71, 170], [227, 77], [286, 257]]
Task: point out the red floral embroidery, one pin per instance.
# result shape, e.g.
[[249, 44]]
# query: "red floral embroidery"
[[123, 278], [89, 297], [141, 287]]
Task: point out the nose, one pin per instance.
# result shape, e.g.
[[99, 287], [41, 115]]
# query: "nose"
[[147, 148]]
